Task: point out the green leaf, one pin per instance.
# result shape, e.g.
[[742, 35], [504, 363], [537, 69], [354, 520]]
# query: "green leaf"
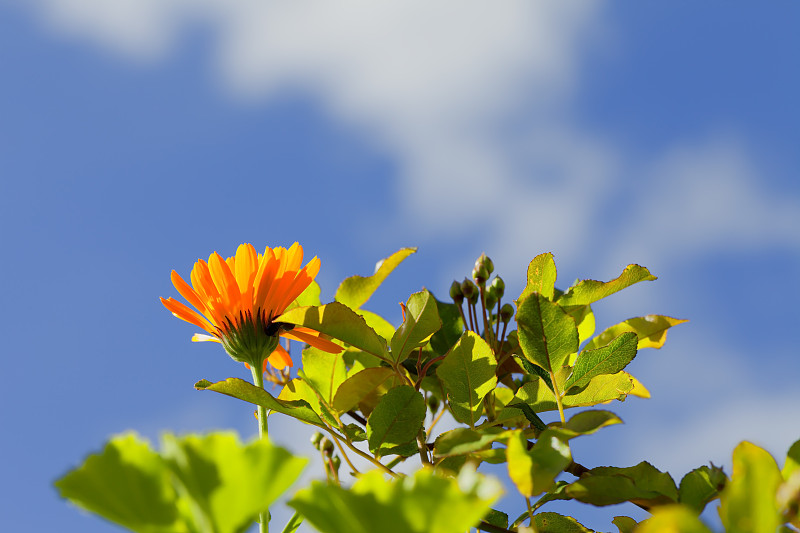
[[671, 518], [541, 277], [700, 486], [324, 371], [496, 518], [748, 500], [340, 322], [422, 503], [238, 388], [370, 382], [356, 290], [556, 523], [792, 463], [396, 420], [601, 389], [451, 330], [530, 415], [231, 483], [642, 484], [381, 326], [557, 492], [651, 330], [609, 359], [584, 423], [534, 370], [534, 471], [625, 524], [547, 334], [589, 291], [468, 374], [294, 523], [463, 441], [421, 321], [127, 483], [299, 390]]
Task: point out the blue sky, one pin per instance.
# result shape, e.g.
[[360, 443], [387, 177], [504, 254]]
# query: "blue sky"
[[137, 136]]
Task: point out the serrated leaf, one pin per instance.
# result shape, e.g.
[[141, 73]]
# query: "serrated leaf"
[[356, 290], [534, 471], [556, 523], [463, 441], [609, 359], [642, 484], [424, 502], [792, 463], [229, 482], [700, 486], [747, 504], [547, 334], [370, 381], [468, 374], [127, 483], [421, 321], [396, 420], [541, 277], [589, 291], [451, 330], [324, 371], [340, 322], [671, 518], [238, 388], [651, 331]]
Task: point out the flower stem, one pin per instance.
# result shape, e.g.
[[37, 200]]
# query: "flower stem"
[[258, 381]]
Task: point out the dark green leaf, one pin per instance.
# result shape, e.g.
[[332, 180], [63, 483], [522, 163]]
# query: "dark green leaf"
[[468, 374], [589, 291], [496, 518], [356, 290], [396, 420], [421, 321], [642, 484], [127, 483], [609, 359], [340, 322], [462, 441], [238, 388], [452, 328], [534, 370], [700, 486], [547, 334], [584, 423], [556, 523]]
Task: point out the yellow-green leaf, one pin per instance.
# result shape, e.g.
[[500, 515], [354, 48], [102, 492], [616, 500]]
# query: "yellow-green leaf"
[[671, 519], [541, 277], [324, 371], [396, 421], [609, 359], [747, 505], [534, 471], [547, 334], [421, 321], [651, 331], [368, 382], [589, 291], [356, 290], [468, 374]]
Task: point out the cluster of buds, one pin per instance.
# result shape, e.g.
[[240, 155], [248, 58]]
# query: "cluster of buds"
[[490, 295], [326, 448]]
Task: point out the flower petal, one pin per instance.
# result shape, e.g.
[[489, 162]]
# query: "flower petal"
[[280, 358], [312, 338], [184, 313], [199, 337]]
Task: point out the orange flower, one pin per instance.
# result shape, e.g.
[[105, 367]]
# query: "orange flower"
[[238, 299]]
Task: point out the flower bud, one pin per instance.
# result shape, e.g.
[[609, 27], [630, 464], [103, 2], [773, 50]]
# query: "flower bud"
[[506, 312], [455, 293], [498, 286], [480, 274], [326, 446], [468, 289], [433, 403], [316, 438], [474, 298], [484, 262], [337, 462], [491, 299]]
